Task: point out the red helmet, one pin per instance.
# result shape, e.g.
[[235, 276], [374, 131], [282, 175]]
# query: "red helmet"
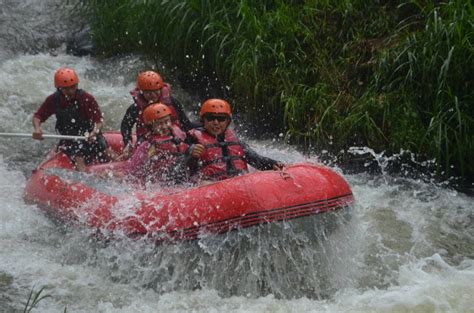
[[149, 80], [65, 77], [154, 112], [215, 106]]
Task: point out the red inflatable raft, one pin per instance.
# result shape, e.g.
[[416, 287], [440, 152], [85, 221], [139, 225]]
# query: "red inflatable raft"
[[255, 198]]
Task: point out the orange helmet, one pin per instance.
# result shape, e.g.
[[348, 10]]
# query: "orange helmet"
[[65, 77], [215, 106], [154, 112], [149, 80]]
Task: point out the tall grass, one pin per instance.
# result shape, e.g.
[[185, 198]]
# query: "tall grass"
[[34, 298], [431, 74], [265, 51], [330, 74]]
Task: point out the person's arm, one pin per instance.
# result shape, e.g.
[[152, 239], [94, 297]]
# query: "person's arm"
[[42, 114], [98, 127], [138, 160], [193, 154], [127, 124], [178, 171], [184, 120], [38, 131], [94, 114], [258, 161], [96, 130]]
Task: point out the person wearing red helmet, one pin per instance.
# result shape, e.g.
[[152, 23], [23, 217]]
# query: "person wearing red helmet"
[[77, 113], [220, 152], [150, 89], [163, 156]]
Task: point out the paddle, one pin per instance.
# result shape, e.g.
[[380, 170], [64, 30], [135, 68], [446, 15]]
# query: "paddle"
[[46, 136]]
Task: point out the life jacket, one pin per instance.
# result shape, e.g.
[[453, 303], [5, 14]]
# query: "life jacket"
[[142, 103], [165, 151], [165, 97], [69, 120], [221, 159]]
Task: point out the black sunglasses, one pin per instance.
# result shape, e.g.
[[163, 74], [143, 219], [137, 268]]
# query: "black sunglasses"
[[149, 92], [219, 118]]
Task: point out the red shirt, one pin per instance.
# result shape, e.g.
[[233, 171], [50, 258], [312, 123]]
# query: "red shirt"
[[89, 108]]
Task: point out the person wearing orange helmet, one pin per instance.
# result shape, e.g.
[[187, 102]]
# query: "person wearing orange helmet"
[[216, 146], [163, 156], [150, 89], [77, 113]]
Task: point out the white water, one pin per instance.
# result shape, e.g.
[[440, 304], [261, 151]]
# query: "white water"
[[409, 246]]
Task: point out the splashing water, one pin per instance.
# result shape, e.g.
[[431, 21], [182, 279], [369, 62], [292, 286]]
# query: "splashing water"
[[406, 245]]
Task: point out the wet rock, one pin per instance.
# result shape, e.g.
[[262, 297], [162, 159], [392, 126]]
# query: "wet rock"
[[80, 43]]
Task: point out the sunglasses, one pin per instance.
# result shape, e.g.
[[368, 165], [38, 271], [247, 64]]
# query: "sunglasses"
[[149, 92], [219, 118]]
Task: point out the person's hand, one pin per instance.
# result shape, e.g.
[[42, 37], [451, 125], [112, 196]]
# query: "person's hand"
[[126, 153], [278, 166], [38, 134], [198, 150], [92, 136], [108, 174], [118, 176], [111, 154], [281, 168]]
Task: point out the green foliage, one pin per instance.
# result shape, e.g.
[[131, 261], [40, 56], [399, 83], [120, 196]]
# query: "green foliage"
[[389, 74], [431, 73], [34, 298]]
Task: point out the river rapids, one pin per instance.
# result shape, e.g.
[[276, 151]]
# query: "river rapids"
[[405, 246]]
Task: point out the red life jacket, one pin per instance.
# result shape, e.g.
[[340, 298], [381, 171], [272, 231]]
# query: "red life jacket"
[[165, 96], [165, 150], [142, 103], [221, 159]]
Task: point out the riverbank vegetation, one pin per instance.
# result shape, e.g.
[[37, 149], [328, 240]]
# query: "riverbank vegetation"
[[391, 75]]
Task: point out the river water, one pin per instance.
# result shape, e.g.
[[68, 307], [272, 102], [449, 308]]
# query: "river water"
[[408, 246]]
